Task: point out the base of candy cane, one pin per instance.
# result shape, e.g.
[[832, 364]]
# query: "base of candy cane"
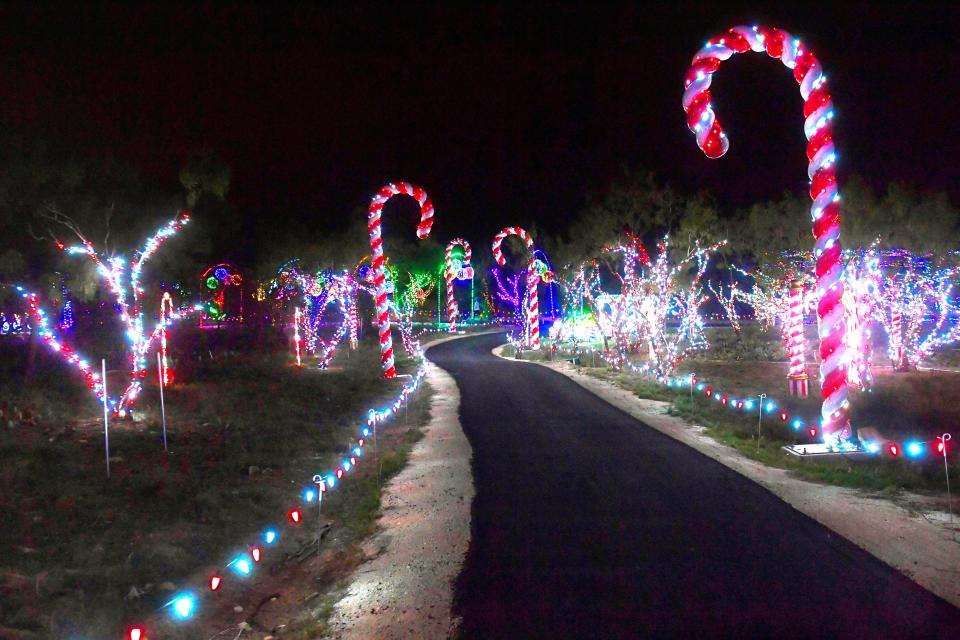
[[798, 385]]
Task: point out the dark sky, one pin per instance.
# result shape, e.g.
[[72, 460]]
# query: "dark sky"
[[505, 116]]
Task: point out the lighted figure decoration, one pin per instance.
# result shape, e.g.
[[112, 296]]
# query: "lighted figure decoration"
[[377, 264], [818, 128], [531, 328], [13, 325], [223, 289], [456, 269], [123, 277]]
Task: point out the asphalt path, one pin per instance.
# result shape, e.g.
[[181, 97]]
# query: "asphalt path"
[[589, 524]]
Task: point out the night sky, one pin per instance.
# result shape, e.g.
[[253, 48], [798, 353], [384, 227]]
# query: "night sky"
[[505, 116]]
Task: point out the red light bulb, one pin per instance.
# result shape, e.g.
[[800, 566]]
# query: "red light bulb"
[[255, 552], [215, 583], [294, 515], [136, 633]]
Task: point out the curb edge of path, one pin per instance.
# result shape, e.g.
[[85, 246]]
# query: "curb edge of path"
[[423, 533]]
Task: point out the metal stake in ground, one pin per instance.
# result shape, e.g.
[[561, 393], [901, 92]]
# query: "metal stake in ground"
[[762, 397], [106, 418], [944, 439], [318, 480], [163, 411]]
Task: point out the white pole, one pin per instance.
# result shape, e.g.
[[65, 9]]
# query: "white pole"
[[946, 467], [163, 411], [762, 397], [106, 418]]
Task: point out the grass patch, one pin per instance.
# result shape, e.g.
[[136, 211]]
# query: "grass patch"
[[739, 431], [246, 428]]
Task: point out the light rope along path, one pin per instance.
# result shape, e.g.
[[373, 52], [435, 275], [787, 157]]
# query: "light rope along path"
[[405, 588]]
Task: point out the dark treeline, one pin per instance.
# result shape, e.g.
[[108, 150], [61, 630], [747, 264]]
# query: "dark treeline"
[[43, 182]]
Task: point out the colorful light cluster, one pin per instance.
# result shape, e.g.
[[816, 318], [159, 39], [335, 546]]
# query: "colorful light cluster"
[[216, 282], [378, 261], [312, 294], [822, 157]]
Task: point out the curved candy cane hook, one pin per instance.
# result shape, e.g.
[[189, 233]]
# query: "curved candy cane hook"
[[533, 306], [821, 155], [376, 251], [449, 274]]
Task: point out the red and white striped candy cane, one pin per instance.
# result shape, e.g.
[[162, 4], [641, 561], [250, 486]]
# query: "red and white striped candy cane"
[[376, 251], [821, 155], [166, 310], [532, 329], [449, 274], [797, 376]]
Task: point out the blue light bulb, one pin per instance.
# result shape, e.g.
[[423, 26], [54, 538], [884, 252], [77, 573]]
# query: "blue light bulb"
[[183, 606]]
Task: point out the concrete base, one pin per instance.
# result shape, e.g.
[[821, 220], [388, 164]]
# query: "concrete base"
[[824, 451]]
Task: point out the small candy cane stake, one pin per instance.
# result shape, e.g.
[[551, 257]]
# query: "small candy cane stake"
[[532, 328], [450, 274]]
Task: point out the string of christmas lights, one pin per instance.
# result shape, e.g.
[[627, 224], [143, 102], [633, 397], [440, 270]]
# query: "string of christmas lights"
[[186, 603]]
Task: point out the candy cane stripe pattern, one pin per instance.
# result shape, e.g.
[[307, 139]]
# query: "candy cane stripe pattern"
[[376, 251], [532, 329], [821, 156], [449, 274]]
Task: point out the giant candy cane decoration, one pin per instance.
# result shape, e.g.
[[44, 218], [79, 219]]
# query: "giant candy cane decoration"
[[533, 306], [821, 155], [376, 250], [449, 274]]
